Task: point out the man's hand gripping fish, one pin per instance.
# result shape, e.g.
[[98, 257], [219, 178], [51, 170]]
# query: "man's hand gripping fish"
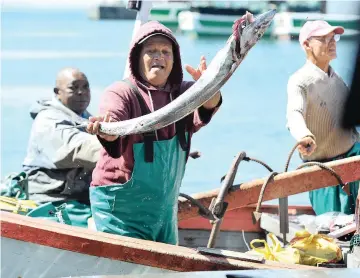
[[247, 31]]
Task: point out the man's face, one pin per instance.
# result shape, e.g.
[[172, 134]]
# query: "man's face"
[[156, 60], [74, 92], [324, 47]]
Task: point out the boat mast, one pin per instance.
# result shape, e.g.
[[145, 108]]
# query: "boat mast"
[[143, 10]]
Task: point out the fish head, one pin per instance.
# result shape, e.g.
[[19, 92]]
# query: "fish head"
[[248, 30]]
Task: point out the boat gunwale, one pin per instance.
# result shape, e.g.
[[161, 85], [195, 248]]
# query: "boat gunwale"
[[138, 251]]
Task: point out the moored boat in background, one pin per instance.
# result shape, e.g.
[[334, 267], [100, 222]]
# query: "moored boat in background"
[[293, 14], [212, 19]]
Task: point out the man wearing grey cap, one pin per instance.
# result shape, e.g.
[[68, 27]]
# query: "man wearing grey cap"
[[136, 182], [316, 98]]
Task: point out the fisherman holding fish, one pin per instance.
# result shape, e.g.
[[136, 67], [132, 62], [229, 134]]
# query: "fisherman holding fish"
[[136, 181], [316, 98], [58, 162]]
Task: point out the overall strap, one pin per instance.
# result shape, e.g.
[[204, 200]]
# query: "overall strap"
[[181, 131], [149, 137]]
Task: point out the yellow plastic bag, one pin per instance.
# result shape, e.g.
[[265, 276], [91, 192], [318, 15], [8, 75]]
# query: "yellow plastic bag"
[[316, 249], [276, 252]]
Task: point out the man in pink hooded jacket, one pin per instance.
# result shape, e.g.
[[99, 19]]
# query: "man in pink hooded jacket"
[[135, 185]]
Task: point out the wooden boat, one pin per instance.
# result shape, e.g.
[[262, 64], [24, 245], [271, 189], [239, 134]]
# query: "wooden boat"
[[44, 247]]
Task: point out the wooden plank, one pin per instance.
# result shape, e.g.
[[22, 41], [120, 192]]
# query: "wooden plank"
[[343, 231], [240, 219], [126, 249], [231, 254], [284, 184]]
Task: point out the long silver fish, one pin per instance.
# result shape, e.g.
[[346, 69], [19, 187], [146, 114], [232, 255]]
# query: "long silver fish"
[[247, 31]]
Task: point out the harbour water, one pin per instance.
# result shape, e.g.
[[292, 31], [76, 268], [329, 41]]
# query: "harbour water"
[[36, 43]]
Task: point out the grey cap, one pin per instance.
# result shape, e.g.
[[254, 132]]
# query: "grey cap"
[[156, 34]]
